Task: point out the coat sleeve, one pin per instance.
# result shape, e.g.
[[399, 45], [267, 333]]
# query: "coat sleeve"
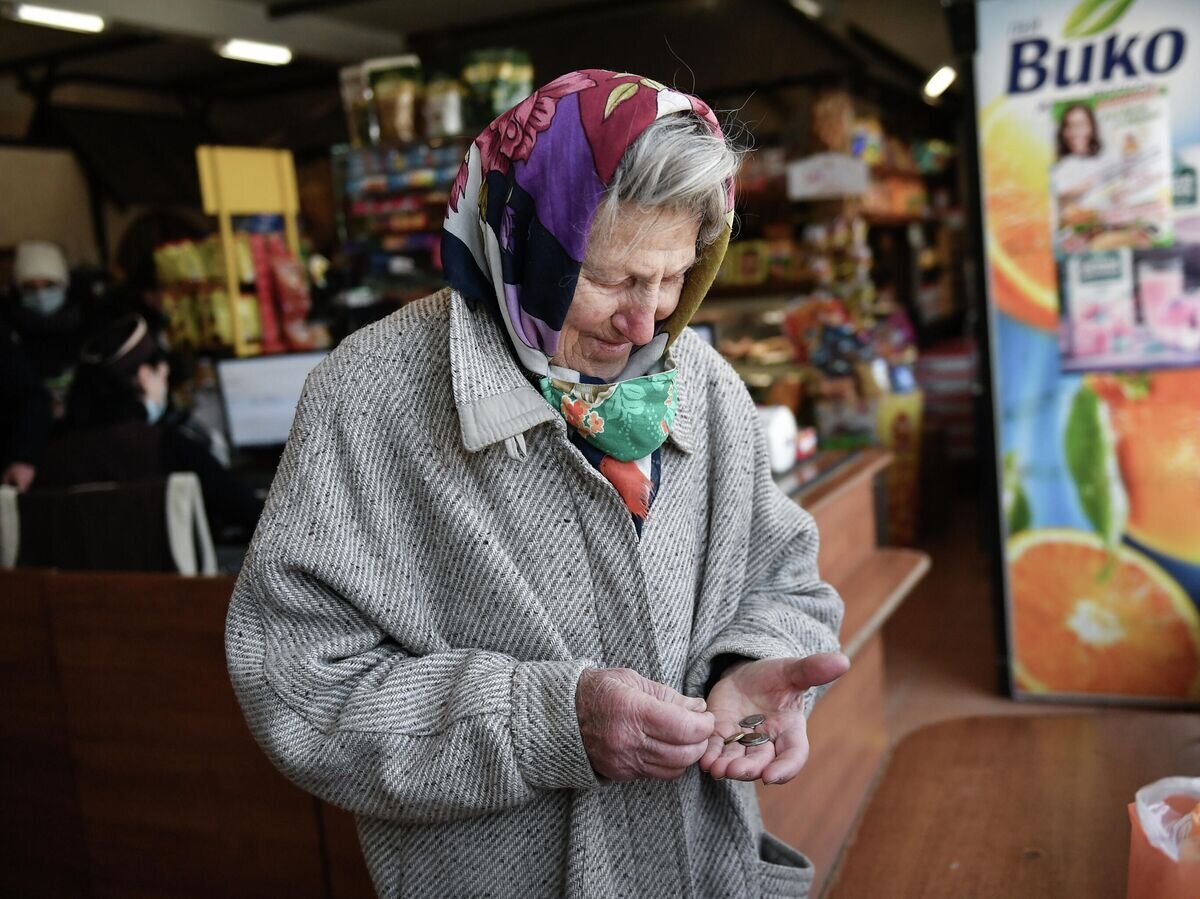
[[387, 721], [785, 609], [26, 402]]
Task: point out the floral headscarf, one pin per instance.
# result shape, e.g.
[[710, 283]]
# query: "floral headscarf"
[[515, 236], [522, 206]]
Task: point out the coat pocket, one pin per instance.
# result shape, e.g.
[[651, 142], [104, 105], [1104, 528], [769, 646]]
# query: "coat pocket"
[[782, 871]]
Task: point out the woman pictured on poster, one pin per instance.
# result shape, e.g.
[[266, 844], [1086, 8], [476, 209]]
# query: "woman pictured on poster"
[[1079, 169]]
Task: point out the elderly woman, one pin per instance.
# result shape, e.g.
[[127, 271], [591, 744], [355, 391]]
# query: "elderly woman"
[[523, 569]]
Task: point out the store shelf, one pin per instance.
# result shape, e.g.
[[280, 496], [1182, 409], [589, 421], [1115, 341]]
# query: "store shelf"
[[888, 171], [874, 591], [786, 289], [894, 219], [771, 369]]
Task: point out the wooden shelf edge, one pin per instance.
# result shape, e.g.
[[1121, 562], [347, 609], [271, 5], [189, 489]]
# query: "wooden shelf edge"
[[867, 463], [906, 567]]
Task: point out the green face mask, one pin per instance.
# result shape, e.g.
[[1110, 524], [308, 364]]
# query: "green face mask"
[[627, 420]]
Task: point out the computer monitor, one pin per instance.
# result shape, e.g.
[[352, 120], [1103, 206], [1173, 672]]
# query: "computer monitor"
[[259, 396]]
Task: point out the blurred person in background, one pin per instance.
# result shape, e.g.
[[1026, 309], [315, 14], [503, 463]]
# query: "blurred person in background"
[[46, 315], [118, 427], [24, 414]]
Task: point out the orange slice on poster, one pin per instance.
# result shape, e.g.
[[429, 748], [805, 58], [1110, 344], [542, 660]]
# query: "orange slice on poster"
[[1016, 161], [1087, 622]]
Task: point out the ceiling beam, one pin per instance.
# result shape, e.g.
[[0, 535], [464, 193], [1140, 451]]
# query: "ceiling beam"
[[86, 50], [317, 37], [285, 8], [887, 56], [577, 14]]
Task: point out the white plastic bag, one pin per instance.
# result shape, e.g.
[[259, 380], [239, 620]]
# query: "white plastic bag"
[[1164, 849]]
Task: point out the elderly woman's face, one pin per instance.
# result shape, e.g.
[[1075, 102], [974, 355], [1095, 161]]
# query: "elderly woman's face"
[[631, 279]]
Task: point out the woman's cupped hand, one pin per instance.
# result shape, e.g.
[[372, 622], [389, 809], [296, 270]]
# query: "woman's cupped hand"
[[633, 727], [775, 689]]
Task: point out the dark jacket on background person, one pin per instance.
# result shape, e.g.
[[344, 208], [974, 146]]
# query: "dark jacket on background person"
[[133, 450], [106, 436], [24, 406]]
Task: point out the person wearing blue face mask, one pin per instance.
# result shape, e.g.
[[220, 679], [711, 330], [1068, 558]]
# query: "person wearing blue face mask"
[[45, 315], [119, 426]]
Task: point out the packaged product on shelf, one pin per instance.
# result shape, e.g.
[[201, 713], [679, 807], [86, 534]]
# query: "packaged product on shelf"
[[395, 85], [496, 81], [899, 429], [262, 248], [356, 101], [189, 262], [874, 380], [866, 141], [218, 302], [762, 170], [176, 300], [781, 256], [833, 119], [932, 156], [295, 303], [844, 423], [745, 263], [443, 107]]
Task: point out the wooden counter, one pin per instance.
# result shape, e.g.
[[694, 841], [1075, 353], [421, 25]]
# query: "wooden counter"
[[847, 730], [1029, 806]]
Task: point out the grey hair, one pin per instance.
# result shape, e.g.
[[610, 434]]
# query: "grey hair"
[[676, 163]]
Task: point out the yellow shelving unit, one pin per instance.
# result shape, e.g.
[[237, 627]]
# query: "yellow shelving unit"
[[247, 181]]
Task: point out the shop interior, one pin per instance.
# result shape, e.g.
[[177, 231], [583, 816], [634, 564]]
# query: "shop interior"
[[238, 185]]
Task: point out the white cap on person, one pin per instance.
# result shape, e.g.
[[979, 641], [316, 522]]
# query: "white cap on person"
[[40, 260]]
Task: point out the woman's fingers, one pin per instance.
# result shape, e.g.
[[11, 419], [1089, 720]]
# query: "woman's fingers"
[[661, 772], [742, 762], [815, 670], [791, 753], [669, 755], [673, 723], [666, 694], [750, 766], [716, 744]]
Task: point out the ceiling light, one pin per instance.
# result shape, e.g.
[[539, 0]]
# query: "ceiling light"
[[58, 18], [810, 8], [253, 51], [939, 81]]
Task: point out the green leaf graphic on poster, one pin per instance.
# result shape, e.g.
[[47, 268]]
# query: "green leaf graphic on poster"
[[1018, 514], [1135, 385], [1091, 458], [1091, 17]]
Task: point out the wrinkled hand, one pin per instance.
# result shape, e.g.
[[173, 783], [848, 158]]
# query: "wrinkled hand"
[[19, 475], [635, 728], [774, 688]]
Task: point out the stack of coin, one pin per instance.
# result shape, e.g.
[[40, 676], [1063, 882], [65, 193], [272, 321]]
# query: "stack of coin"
[[754, 738]]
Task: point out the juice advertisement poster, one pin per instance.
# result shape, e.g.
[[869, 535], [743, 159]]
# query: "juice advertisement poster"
[[1089, 131]]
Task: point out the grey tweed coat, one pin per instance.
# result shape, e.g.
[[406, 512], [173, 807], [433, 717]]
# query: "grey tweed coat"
[[435, 566]]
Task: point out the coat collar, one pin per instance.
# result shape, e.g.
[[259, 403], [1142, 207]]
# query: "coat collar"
[[495, 400]]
